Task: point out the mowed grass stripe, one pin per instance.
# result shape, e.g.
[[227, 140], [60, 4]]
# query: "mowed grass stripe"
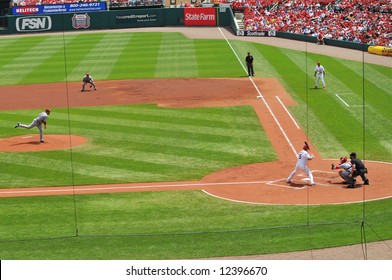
[[84, 169], [208, 114], [227, 152], [196, 130], [138, 58], [216, 59], [11, 50], [234, 145], [102, 57], [377, 77], [15, 71], [12, 176], [174, 48], [142, 153], [25, 167], [176, 144]]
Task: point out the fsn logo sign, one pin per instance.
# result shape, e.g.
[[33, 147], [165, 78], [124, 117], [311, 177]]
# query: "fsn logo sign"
[[28, 24]]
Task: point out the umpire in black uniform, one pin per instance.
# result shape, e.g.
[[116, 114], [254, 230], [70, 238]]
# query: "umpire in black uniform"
[[358, 169], [249, 64]]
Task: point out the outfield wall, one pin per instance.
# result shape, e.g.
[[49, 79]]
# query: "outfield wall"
[[128, 18], [152, 17]]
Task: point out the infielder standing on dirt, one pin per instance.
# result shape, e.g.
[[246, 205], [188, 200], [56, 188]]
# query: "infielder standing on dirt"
[[88, 80], [347, 169], [319, 73], [249, 64], [302, 164], [38, 121]]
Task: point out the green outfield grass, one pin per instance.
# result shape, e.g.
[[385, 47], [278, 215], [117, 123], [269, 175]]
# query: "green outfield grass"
[[167, 144]]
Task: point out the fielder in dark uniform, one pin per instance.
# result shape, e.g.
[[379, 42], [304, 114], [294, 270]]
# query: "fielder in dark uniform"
[[249, 64], [358, 169]]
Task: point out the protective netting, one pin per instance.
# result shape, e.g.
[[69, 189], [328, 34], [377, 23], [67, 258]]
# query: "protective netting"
[[157, 224]]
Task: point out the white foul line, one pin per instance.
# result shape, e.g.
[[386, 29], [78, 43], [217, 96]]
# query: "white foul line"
[[341, 99], [261, 96], [273, 115], [111, 188], [227, 41], [288, 113]]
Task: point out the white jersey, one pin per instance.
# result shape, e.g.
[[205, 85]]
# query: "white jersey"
[[42, 117], [319, 70], [303, 157]]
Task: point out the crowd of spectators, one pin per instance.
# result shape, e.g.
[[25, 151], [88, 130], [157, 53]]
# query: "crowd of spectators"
[[361, 21]]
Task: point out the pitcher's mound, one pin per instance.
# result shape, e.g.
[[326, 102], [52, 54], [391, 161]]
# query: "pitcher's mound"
[[31, 143]]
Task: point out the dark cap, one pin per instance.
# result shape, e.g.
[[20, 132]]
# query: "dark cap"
[[353, 154]]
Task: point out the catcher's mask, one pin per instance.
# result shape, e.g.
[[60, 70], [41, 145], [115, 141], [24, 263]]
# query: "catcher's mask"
[[343, 159], [353, 154]]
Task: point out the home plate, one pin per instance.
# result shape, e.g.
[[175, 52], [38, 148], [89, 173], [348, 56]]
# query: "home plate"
[[27, 136], [305, 179]]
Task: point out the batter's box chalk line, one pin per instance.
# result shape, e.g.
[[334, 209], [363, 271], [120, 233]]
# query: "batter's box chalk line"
[[321, 178]]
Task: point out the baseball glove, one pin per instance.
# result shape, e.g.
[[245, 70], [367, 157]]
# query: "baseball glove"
[[332, 166]]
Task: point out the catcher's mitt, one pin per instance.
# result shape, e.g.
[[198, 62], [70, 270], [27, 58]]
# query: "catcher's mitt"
[[332, 166]]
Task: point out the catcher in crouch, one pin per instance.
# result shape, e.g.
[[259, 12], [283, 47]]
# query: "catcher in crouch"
[[346, 167], [88, 80]]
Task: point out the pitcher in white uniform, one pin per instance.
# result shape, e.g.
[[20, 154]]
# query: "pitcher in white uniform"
[[319, 73], [302, 164], [38, 121]]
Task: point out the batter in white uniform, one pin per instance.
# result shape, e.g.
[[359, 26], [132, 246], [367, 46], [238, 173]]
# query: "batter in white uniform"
[[38, 121], [302, 164], [319, 73]]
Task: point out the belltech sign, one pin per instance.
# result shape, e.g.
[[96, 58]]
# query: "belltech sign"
[[200, 16]]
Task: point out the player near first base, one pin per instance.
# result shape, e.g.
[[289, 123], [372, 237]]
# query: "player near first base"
[[302, 164], [319, 73]]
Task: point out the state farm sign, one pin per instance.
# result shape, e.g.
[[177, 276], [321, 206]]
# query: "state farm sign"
[[200, 16]]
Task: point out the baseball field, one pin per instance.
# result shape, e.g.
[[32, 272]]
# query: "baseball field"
[[180, 155]]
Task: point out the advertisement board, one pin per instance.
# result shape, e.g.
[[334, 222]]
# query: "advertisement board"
[[137, 18], [257, 33], [200, 17], [59, 8]]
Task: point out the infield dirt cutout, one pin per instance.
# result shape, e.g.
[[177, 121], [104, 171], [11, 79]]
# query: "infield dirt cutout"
[[255, 183]]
